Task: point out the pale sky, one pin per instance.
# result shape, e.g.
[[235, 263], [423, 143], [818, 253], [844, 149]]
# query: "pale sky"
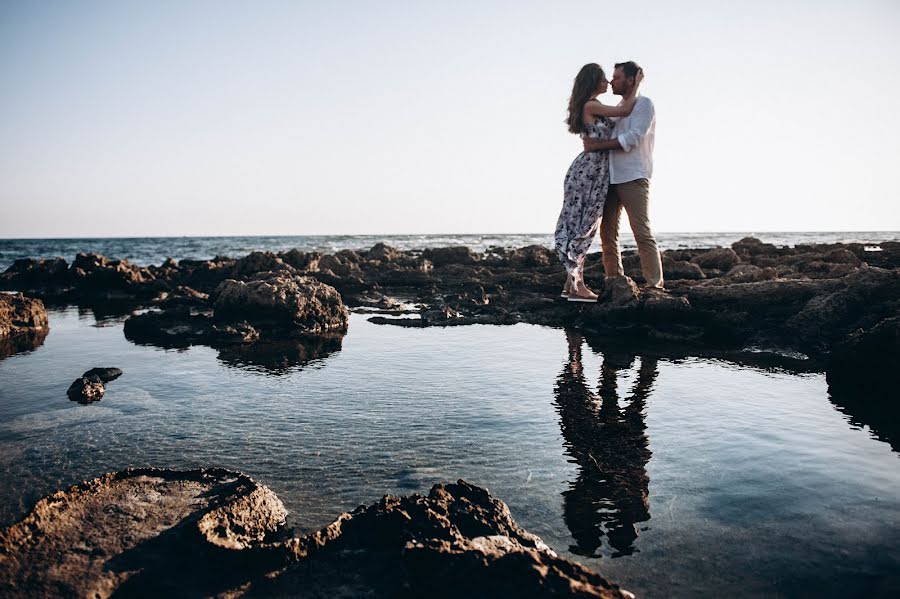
[[260, 118]]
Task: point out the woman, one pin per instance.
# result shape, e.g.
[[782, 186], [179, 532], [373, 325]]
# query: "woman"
[[587, 181]]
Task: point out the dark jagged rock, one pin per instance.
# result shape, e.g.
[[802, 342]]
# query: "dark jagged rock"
[[24, 324], [869, 359], [86, 389], [20, 315], [97, 275], [297, 302], [104, 374], [722, 259], [214, 532], [458, 254]]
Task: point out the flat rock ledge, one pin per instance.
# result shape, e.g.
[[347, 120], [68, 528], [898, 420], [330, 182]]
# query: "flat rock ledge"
[[154, 532]]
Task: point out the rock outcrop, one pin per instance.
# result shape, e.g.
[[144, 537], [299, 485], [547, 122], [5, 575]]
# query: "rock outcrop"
[[215, 532], [24, 323]]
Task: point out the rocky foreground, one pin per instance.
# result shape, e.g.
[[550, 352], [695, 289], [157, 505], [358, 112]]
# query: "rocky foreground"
[[152, 532], [833, 307]]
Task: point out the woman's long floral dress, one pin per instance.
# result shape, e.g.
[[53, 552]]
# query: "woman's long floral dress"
[[586, 185]]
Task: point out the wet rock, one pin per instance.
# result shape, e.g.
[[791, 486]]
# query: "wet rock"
[[20, 315], [749, 273], [751, 246], [168, 329], [681, 269], [28, 274], [619, 291], [96, 274], [532, 256], [104, 374], [285, 300], [458, 254], [86, 389], [717, 258], [302, 261], [384, 253], [256, 262], [213, 532]]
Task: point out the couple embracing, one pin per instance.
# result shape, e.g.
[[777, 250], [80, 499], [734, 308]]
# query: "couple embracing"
[[611, 174]]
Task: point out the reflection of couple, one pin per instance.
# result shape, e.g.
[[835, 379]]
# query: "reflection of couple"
[[609, 445], [611, 174]]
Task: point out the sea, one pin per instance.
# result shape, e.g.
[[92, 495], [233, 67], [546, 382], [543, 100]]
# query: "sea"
[[145, 251], [673, 476]]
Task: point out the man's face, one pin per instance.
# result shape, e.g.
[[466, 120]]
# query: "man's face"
[[620, 84]]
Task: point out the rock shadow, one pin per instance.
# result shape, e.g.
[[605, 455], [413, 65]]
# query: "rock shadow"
[[608, 443]]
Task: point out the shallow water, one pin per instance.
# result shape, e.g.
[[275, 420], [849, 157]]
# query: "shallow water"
[[667, 476]]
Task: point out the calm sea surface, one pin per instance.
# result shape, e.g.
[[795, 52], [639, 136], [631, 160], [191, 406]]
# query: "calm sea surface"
[[671, 477], [154, 250]]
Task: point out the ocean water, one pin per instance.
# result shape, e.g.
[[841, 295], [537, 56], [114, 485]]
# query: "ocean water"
[[154, 250], [672, 477]]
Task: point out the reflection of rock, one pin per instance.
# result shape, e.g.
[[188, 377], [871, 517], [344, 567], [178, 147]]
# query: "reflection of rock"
[[608, 443], [23, 323], [280, 356], [213, 532], [283, 299]]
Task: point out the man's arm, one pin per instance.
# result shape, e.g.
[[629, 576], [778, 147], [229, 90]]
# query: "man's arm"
[[641, 120]]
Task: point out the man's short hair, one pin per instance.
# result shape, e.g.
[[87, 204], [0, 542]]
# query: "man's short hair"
[[630, 68]]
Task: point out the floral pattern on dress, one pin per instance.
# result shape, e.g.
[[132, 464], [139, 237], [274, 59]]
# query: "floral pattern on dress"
[[584, 194]]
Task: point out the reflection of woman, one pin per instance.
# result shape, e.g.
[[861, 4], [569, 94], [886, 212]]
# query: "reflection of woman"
[[609, 445], [587, 180]]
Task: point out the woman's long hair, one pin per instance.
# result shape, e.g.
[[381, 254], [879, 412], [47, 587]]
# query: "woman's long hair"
[[586, 83]]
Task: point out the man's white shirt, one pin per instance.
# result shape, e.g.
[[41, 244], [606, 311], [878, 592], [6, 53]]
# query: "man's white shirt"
[[635, 133]]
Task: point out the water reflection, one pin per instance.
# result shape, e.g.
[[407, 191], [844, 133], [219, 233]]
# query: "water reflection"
[[282, 356], [871, 406], [608, 442], [21, 343]]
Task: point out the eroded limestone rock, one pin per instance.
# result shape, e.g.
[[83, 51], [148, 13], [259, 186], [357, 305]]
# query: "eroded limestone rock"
[[214, 532]]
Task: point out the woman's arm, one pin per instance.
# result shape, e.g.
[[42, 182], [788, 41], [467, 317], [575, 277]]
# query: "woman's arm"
[[594, 108]]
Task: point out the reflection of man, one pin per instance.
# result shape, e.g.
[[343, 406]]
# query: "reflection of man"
[[630, 168], [609, 445]]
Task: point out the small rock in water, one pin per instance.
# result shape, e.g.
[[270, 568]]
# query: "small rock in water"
[[86, 389], [105, 374]]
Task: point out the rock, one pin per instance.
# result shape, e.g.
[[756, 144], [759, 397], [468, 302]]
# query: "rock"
[[532, 256], [384, 253], [86, 389], [458, 254], [29, 273], [302, 261], [751, 246], [93, 273], [212, 532], [619, 291], [285, 300], [717, 258], [104, 374], [681, 269], [868, 359], [256, 262], [126, 529], [20, 315], [749, 273]]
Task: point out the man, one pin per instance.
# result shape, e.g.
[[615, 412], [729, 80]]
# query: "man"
[[630, 168]]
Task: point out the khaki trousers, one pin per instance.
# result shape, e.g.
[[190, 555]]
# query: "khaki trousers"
[[634, 197]]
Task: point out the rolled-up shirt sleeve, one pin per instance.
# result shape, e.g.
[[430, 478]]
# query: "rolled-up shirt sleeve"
[[641, 119]]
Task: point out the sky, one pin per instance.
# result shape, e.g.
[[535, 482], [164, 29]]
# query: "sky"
[[291, 118]]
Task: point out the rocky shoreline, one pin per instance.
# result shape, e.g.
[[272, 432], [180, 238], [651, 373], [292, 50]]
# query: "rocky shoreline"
[[214, 532], [834, 307]]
